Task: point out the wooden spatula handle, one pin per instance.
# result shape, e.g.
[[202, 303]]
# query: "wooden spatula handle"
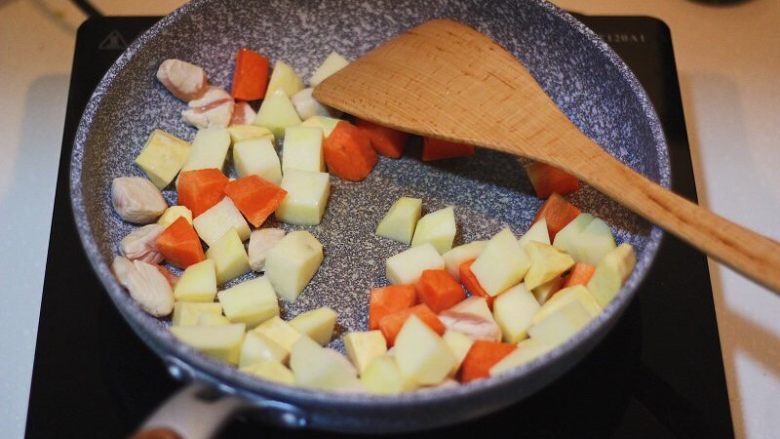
[[747, 252]]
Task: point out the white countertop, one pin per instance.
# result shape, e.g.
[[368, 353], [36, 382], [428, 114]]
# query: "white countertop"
[[728, 59]]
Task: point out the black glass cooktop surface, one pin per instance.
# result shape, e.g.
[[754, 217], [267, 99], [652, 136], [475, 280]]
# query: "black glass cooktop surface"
[[659, 374]]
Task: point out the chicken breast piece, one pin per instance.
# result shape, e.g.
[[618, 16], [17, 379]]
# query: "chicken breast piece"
[[472, 325], [146, 285], [140, 244], [184, 80], [213, 109], [137, 200], [243, 114], [260, 243]]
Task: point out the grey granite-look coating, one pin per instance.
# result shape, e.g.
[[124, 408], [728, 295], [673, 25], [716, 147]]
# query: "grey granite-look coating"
[[488, 191]]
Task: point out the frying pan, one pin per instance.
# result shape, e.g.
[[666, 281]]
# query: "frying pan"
[[490, 190]]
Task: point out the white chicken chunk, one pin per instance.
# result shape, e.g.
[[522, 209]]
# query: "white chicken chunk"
[[140, 244], [137, 200], [243, 114], [472, 325], [184, 80], [213, 109], [146, 285], [260, 243]]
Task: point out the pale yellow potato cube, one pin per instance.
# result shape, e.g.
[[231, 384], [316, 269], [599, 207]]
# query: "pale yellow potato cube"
[[198, 283], [212, 320], [188, 313], [474, 305], [421, 354], [239, 133], [460, 254], [257, 347], [460, 345], [321, 368], [611, 273], [502, 264], [257, 157], [222, 342], [209, 149], [271, 370], [363, 347], [229, 256], [173, 213], [513, 311], [586, 238], [561, 298], [536, 233], [251, 302], [437, 228], [318, 324], [527, 351], [407, 267], [162, 157], [212, 224], [559, 326], [382, 376], [332, 64], [302, 149], [279, 331], [547, 263], [307, 197], [292, 263], [308, 107], [543, 292], [328, 124], [283, 77], [277, 113], [400, 221]]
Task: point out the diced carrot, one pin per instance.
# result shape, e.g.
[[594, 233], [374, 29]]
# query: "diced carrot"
[[200, 189], [384, 140], [255, 197], [471, 283], [580, 274], [439, 290], [547, 180], [170, 277], [348, 152], [481, 357], [391, 324], [388, 300], [250, 77], [180, 245], [437, 149], [558, 212]]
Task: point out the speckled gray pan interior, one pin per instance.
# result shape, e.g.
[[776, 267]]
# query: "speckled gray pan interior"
[[488, 191]]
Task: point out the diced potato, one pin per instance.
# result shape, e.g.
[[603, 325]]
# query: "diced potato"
[[162, 157], [308, 107], [277, 113], [407, 267], [251, 302], [461, 254], [502, 264], [302, 149], [318, 324], [382, 376], [209, 149], [527, 351], [321, 368], [257, 347], [293, 262], [586, 239], [560, 325], [513, 311], [537, 233], [271, 370], [328, 124], [437, 228], [543, 292], [239, 133], [547, 263], [563, 297], [279, 331], [399, 222], [257, 157], [212, 224], [332, 64], [363, 347], [307, 197], [474, 305], [173, 213], [421, 354], [611, 273], [229, 256], [212, 320], [187, 313], [459, 344], [284, 77], [198, 283], [222, 342]]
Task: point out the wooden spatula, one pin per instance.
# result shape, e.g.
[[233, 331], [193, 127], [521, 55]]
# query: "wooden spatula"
[[445, 79]]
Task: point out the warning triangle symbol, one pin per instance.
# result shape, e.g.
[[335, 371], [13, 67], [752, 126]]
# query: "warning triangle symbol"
[[114, 41]]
